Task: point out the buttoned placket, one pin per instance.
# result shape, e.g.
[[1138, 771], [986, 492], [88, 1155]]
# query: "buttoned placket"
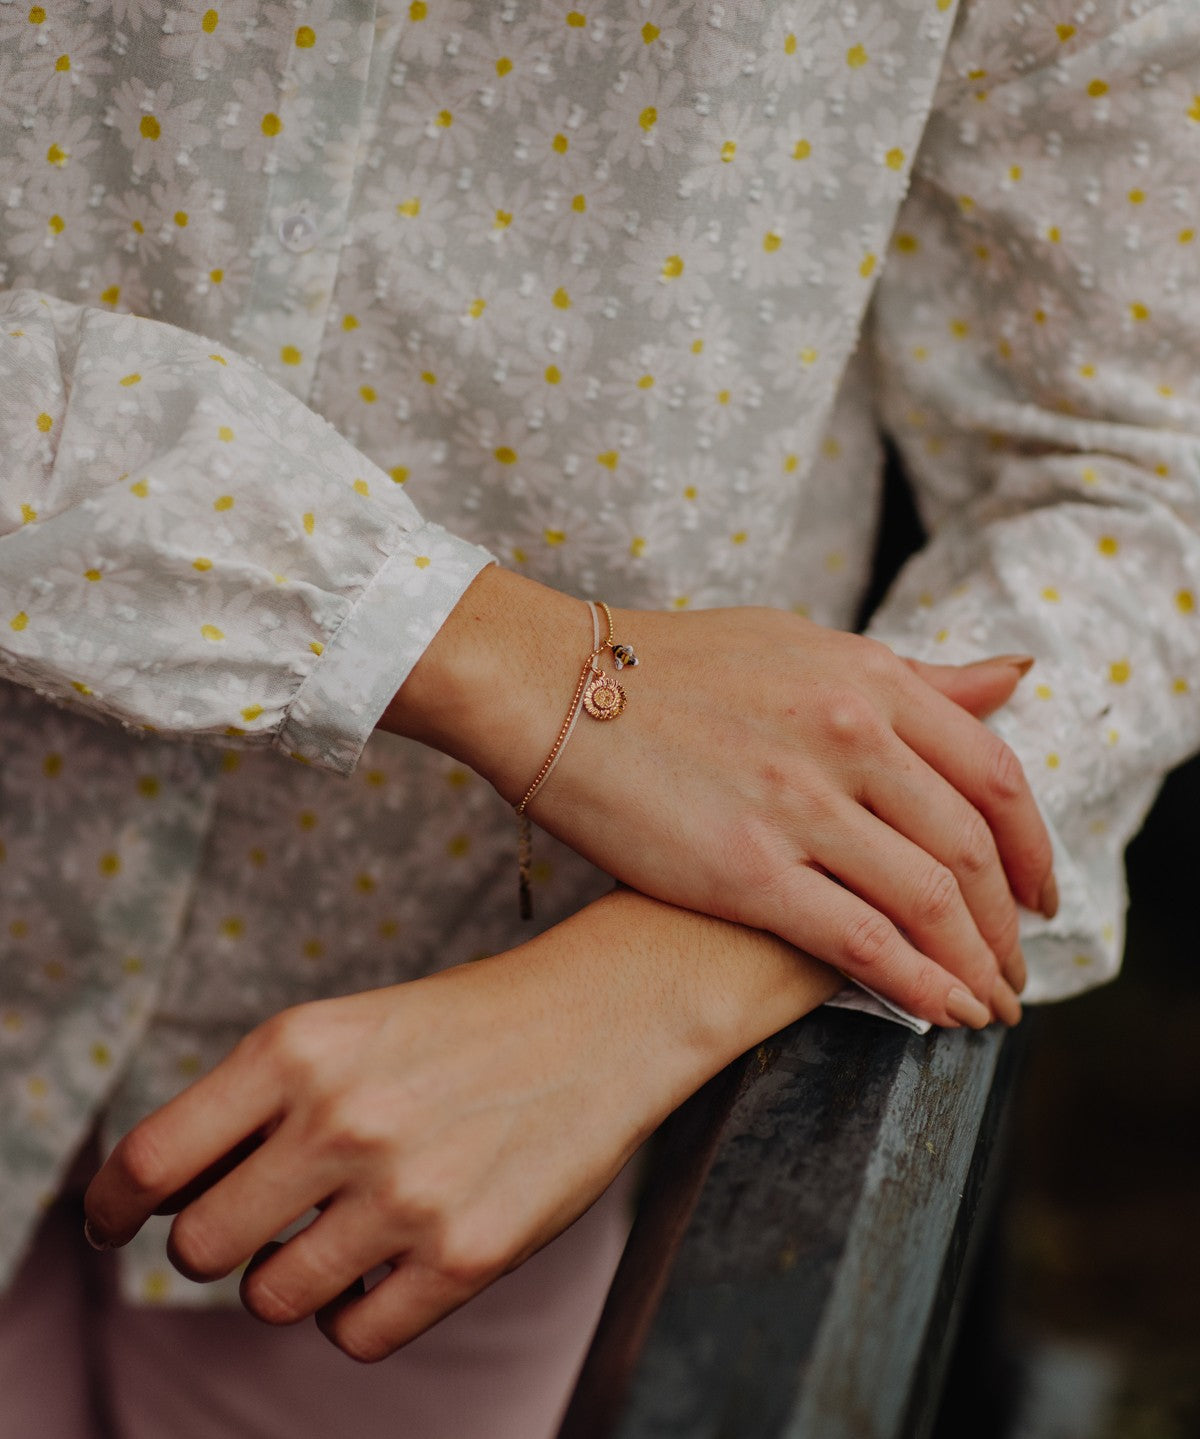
[[298, 232], [305, 218]]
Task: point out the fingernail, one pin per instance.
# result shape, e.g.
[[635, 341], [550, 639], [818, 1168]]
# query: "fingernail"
[[93, 1238], [1048, 903], [1024, 663], [967, 1009], [1005, 1002], [1016, 970]]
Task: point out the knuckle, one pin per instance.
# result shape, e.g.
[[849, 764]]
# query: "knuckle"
[[924, 997], [277, 1045], [263, 1297], [809, 806], [1005, 776], [937, 895], [341, 1124], [404, 1203], [976, 847], [850, 720], [195, 1248], [294, 1038], [867, 942], [1042, 852], [755, 862], [469, 1256], [142, 1162], [1004, 934], [875, 659], [293, 1045]]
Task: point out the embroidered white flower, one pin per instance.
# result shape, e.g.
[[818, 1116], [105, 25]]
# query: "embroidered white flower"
[[647, 118], [583, 286], [668, 268]]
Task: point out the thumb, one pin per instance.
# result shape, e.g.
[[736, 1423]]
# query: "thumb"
[[979, 688]]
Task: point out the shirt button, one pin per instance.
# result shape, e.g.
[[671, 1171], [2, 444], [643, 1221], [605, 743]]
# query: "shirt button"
[[113, 1013], [298, 233]]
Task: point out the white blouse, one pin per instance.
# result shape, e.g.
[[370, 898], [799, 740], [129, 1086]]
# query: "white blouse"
[[307, 302]]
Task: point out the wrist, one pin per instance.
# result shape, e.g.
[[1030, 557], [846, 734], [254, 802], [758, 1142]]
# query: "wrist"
[[687, 992], [491, 687]]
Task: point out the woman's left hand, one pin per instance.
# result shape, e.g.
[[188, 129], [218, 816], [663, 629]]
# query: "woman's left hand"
[[446, 1128]]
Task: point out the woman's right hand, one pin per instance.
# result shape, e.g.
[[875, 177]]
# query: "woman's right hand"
[[766, 770]]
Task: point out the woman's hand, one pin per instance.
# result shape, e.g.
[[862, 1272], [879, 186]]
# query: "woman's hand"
[[766, 770], [449, 1127]]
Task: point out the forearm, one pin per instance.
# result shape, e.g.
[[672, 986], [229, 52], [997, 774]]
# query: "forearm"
[[683, 994]]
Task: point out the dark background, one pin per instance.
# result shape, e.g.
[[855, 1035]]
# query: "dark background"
[[1085, 1323], [1099, 1233]]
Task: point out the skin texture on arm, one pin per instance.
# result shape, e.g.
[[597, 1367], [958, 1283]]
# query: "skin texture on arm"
[[766, 770], [449, 1127]]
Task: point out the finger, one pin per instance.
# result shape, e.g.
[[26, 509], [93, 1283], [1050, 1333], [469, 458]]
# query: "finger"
[[205, 1180], [261, 1256], [401, 1306], [980, 688], [269, 1190], [167, 1150], [989, 775], [905, 793], [818, 915], [318, 1266], [920, 895], [348, 1295]]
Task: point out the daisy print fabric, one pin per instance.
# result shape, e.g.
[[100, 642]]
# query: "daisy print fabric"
[[310, 309]]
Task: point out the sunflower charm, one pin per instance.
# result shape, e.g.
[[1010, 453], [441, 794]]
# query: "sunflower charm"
[[604, 699]]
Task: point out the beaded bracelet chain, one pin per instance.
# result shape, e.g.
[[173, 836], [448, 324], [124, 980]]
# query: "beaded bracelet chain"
[[603, 699]]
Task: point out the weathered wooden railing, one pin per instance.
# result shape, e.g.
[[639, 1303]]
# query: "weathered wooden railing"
[[797, 1263]]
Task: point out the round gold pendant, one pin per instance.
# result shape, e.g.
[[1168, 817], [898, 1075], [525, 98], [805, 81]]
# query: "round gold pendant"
[[604, 698]]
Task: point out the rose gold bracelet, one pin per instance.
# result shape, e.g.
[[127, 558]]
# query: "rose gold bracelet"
[[603, 699]]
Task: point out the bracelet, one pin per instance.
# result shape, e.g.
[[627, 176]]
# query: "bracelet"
[[604, 699]]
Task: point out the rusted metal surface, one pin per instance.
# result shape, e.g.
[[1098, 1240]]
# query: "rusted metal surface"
[[793, 1270]]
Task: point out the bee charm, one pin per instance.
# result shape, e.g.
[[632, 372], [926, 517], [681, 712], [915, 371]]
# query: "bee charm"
[[623, 655]]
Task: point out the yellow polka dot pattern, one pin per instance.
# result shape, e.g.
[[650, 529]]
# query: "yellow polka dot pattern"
[[588, 299]]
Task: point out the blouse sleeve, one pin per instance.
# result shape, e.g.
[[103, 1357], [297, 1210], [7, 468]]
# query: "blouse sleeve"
[[1037, 336], [186, 548]]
